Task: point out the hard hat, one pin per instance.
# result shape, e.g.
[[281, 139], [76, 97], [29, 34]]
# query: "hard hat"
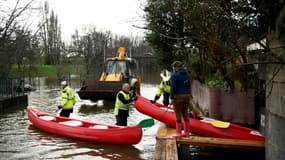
[[63, 83], [133, 81]]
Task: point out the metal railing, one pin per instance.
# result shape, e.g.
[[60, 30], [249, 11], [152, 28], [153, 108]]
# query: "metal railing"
[[10, 87]]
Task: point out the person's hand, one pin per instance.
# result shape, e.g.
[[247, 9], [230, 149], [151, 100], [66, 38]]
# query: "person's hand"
[[58, 108], [152, 101], [134, 98]]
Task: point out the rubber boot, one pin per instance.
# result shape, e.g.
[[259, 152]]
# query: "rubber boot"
[[178, 131], [186, 130]]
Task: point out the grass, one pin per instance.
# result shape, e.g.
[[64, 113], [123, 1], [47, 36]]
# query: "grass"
[[51, 71]]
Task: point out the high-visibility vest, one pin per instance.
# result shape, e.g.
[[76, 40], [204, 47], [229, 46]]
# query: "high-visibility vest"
[[67, 98], [119, 104], [163, 87]]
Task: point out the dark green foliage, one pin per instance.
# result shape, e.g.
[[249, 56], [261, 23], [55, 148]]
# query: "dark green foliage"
[[220, 29], [165, 23]]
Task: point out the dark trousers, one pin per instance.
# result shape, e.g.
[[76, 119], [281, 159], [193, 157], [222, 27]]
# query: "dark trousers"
[[122, 117], [65, 112], [166, 98]]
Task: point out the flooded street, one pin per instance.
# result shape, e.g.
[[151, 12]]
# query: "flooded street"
[[21, 140]]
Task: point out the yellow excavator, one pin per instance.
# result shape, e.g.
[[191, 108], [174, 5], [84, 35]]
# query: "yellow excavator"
[[117, 70]]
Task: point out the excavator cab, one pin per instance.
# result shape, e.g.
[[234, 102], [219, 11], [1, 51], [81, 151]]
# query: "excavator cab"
[[119, 70]]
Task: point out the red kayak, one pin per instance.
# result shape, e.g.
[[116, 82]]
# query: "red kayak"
[[203, 126], [85, 130]]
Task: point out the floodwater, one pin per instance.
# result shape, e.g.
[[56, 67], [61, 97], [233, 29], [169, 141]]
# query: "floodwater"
[[21, 140]]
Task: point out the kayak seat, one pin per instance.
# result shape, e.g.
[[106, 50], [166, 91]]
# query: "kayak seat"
[[47, 118], [72, 123], [99, 127], [256, 133], [167, 109]]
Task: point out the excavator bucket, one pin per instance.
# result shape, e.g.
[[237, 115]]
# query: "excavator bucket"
[[97, 90]]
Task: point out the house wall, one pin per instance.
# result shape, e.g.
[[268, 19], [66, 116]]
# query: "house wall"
[[234, 106], [275, 105]]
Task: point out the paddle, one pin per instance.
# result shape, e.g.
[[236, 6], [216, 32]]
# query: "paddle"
[[220, 124], [146, 123]]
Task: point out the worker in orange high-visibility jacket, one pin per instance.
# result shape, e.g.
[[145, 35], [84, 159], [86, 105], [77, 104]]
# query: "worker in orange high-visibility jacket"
[[68, 100]]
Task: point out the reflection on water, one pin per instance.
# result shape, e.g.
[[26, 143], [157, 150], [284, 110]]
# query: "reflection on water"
[[106, 107], [56, 147], [208, 153]]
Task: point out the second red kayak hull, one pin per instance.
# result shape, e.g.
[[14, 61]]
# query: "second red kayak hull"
[[87, 131], [200, 126]]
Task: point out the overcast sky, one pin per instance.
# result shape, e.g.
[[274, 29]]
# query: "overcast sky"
[[118, 16]]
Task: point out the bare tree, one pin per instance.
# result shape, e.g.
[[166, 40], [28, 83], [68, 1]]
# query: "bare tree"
[[51, 36], [9, 26]]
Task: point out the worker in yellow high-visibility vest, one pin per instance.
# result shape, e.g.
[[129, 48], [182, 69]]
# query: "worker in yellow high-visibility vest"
[[123, 102], [164, 88], [68, 100]]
